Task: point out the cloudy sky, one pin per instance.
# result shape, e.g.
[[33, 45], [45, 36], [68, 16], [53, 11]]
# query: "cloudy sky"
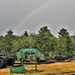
[[30, 15]]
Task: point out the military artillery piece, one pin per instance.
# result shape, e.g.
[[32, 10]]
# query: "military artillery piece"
[[52, 57], [48, 57], [63, 57]]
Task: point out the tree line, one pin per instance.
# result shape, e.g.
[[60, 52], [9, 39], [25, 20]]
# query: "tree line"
[[44, 41]]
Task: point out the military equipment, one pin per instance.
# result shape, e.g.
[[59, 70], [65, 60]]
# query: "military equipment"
[[29, 55], [6, 61], [3, 60], [63, 57], [19, 68], [10, 61], [13, 55]]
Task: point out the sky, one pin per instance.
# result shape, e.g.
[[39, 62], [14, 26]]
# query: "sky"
[[31, 15]]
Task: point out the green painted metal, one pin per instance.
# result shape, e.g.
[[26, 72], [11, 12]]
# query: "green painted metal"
[[20, 55], [28, 50], [18, 69], [24, 50], [36, 61]]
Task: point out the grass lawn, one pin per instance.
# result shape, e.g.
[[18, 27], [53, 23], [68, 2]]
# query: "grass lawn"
[[46, 69]]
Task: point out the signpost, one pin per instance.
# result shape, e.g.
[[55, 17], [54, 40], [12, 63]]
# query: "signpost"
[[18, 69], [21, 68]]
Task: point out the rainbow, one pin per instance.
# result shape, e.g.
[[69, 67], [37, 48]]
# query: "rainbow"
[[30, 15]]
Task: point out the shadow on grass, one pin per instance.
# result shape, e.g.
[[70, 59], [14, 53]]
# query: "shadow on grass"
[[70, 73], [32, 71], [67, 73]]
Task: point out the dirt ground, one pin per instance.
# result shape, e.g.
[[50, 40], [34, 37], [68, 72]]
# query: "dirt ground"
[[58, 68]]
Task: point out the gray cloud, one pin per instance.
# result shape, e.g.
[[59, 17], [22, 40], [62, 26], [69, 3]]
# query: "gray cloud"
[[30, 15]]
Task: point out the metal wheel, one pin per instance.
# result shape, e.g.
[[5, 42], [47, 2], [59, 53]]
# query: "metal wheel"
[[1, 63]]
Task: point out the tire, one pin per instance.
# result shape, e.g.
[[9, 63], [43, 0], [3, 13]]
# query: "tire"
[[11, 62], [5, 66], [1, 63]]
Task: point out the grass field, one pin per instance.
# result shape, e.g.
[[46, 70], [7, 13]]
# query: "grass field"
[[65, 68]]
